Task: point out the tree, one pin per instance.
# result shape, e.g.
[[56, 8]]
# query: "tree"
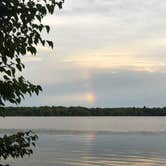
[[17, 145], [20, 33]]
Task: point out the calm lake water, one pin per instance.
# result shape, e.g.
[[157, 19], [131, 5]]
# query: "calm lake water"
[[93, 141]]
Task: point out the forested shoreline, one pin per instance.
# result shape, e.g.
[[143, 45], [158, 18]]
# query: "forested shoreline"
[[81, 111]]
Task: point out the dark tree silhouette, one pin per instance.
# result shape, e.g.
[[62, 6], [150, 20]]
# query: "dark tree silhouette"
[[17, 145], [20, 33]]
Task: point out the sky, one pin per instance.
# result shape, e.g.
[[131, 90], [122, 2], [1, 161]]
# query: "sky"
[[107, 53]]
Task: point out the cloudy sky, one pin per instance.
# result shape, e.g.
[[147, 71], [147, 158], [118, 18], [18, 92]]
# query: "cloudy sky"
[[107, 53]]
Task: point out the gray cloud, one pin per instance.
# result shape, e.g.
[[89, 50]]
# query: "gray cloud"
[[124, 88], [129, 88]]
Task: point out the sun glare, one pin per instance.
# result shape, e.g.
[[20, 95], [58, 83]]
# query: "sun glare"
[[90, 97]]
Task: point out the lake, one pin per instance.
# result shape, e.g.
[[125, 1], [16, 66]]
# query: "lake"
[[92, 141]]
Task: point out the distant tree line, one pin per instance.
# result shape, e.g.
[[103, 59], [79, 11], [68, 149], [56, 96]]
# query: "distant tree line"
[[81, 111]]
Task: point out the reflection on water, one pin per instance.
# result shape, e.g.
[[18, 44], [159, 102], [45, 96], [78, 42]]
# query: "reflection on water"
[[98, 150]]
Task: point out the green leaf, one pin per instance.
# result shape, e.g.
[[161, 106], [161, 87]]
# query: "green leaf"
[[47, 28], [18, 60], [32, 50], [19, 67], [50, 43], [4, 59]]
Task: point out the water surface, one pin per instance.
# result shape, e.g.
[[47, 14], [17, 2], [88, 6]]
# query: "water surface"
[[93, 141], [114, 124]]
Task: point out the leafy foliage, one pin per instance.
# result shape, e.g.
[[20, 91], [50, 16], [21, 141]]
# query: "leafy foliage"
[[17, 145], [20, 33]]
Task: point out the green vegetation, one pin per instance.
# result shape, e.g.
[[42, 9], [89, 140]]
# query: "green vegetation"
[[17, 145], [20, 34], [81, 111]]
